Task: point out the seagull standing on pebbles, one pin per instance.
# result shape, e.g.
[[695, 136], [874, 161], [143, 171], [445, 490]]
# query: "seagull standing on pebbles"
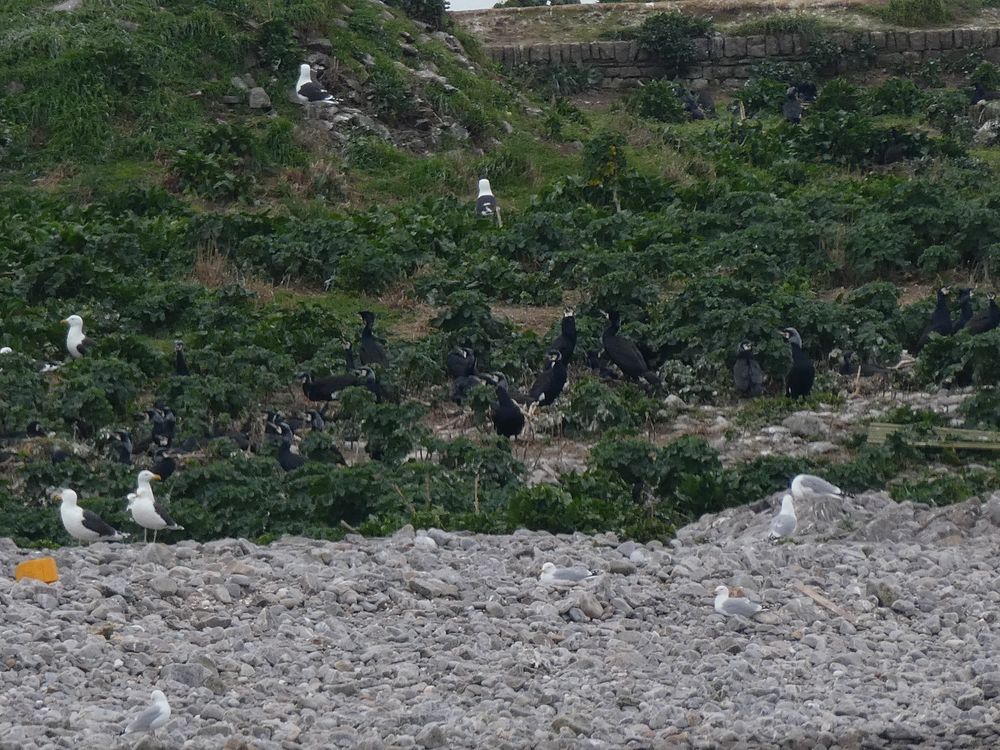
[[82, 524], [783, 525], [732, 606], [145, 510], [551, 574], [154, 716]]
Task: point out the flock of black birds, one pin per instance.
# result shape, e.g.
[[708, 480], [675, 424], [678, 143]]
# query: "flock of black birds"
[[619, 359]]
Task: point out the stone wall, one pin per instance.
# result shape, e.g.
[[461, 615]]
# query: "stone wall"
[[726, 60]]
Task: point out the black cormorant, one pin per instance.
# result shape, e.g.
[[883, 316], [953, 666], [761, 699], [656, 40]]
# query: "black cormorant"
[[180, 364], [550, 381], [792, 107], [964, 310], [508, 420], [940, 322], [373, 350], [565, 342], [624, 353], [799, 381], [747, 375], [460, 362], [985, 320], [287, 458]]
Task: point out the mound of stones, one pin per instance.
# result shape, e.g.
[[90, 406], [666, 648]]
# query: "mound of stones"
[[879, 630]]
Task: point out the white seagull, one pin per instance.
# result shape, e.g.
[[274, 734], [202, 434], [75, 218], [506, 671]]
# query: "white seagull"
[[783, 525], [83, 524], [807, 488], [486, 203], [145, 510], [731, 606], [154, 716], [76, 343], [552, 574], [307, 91]]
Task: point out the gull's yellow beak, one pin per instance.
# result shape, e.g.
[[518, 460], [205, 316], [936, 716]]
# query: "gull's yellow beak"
[[156, 477], [65, 321]]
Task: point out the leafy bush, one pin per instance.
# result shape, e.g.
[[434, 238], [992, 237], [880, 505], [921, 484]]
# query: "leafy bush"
[[432, 12], [657, 100], [897, 96], [669, 37]]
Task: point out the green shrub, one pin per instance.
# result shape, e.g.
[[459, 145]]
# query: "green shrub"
[[669, 36], [657, 100]]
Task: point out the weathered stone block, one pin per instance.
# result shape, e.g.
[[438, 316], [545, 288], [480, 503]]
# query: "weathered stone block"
[[629, 71], [538, 53], [992, 54], [643, 55], [607, 50], [697, 84], [932, 40], [786, 44], [845, 40], [755, 45], [622, 52], [918, 40], [968, 37], [902, 41], [736, 46], [799, 45], [701, 48], [576, 52], [716, 46], [946, 40], [889, 59], [878, 40], [910, 57]]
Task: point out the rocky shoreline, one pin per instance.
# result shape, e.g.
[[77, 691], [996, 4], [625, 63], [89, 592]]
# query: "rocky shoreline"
[[880, 630]]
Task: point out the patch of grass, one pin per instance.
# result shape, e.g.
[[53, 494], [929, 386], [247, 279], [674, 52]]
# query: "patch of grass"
[[915, 13], [785, 23]]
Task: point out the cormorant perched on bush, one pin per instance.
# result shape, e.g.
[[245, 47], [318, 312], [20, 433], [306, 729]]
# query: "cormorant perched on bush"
[[799, 381], [372, 349], [326, 389], [163, 463], [507, 417], [964, 310], [624, 353], [550, 381], [806, 91], [940, 322], [792, 107], [985, 320], [460, 362], [180, 364], [565, 342], [864, 369], [981, 94], [288, 459], [124, 447], [747, 375], [366, 377]]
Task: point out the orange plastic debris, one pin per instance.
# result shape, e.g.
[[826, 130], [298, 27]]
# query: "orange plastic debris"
[[41, 568]]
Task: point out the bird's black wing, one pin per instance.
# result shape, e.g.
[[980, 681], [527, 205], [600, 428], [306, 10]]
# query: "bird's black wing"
[[313, 92], [86, 345], [162, 513], [541, 384], [95, 523]]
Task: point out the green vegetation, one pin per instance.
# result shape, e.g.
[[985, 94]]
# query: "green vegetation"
[[669, 36], [157, 212]]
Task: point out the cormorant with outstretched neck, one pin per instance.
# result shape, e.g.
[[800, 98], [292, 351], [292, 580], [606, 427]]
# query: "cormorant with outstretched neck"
[[624, 353], [747, 375], [373, 351], [940, 322], [180, 363], [565, 342], [985, 320], [799, 381]]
